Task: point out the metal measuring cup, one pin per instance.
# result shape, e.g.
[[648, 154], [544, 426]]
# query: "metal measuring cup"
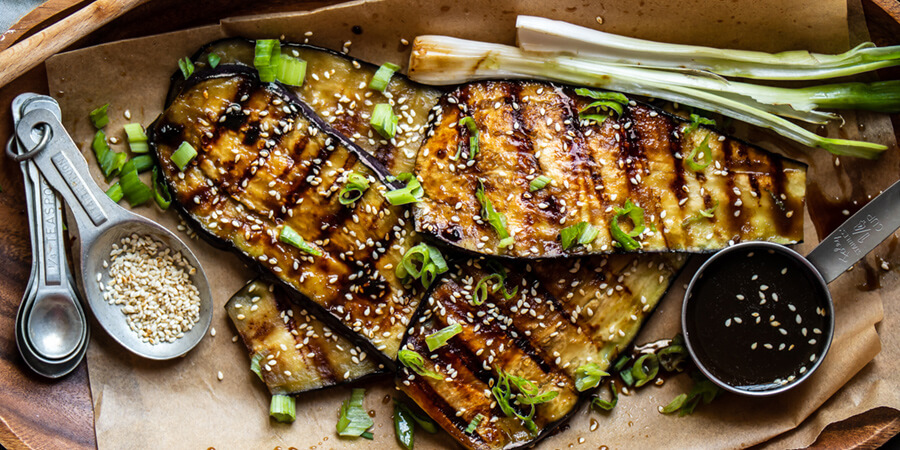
[[837, 253], [102, 223]]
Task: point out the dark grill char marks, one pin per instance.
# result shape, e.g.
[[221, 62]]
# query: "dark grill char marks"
[[336, 87], [298, 352], [564, 315], [595, 168], [292, 180]]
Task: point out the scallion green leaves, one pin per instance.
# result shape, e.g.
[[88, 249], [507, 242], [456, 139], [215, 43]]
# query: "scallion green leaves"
[[528, 394], [254, 364], [354, 188], [186, 67], [404, 426], [354, 420], [99, 117], [696, 121], [539, 183], [416, 363], [626, 239], [473, 424], [214, 60], [496, 219], [490, 284], [135, 191], [422, 262], [472, 128], [703, 391], [183, 156], [410, 193], [439, 338], [607, 405], [588, 376], [645, 369], [110, 162], [290, 71], [137, 138], [283, 408], [605, 102], [160, 190], [708, 213], [289, 236], [582, 233], [384, 121], [702, 151], [383, 76], [115, 192], [267, 55]]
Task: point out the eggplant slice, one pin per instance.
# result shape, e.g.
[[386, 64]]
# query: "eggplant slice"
[[296, 352], [336, 87], [265, 161], [527, 129], [563, 315]]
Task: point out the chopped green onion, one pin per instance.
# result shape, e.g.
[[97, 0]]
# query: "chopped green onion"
[[410, 193], [416, 363], [704, 151], [696, 121], [605, 101], [110, 162], [490, 284], [354, 420], [708, 213], [290, 71], [673, 357], [267, 55], [423, 420], [645, 369], [136, 192], [214, 60], [354, 189], [422, 262], [473, 135], [142, 163], [115, 192], [283, 408], [439, 338], [627, 377], [539, 183], [588, 376], [604, 404], [528, 395], [254, 364], [496, 219], [160, 190], [621, 362], [183, 155], [626, 239], [186, 66], [581, 233], [383, 76], [99, 117], [384, 121], [137, 139], [289, 236], [473, 424], [404, 426], [704, 391], [676, 404]]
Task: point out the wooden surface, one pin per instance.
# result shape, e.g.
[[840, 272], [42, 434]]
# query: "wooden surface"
[[36, 413]]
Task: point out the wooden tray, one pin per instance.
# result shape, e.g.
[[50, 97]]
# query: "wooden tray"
[[44, 414]]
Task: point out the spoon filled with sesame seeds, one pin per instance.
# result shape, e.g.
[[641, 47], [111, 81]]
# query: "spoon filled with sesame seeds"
[[143, 284], [758, 317]]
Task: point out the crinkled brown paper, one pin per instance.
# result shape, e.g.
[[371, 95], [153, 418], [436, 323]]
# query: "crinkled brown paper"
[[181, 404]]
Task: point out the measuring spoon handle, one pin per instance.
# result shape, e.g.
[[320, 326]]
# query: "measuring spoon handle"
[[858, 235], [66, 170]]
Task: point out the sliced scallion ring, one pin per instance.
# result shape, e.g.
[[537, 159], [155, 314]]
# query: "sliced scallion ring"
[[384, 121], [267, 54], [383, 76], [645, 369], [183, 155], [99, 117], [496, 219], [439, 338], [354, 188], [290, 71], [604, 404], [473, 135], [354, 420], [473, 424], [416, 363], [160, 190], [283, 408], [115, 192], [582, 233], [214, 60], [186, 67], [137, 138], [626, 239], [289, 236], [539, 183], [701, 150], [588, 376], [135, 191], [410, 193]]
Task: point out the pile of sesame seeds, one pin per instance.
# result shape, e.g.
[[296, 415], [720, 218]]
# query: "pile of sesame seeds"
[[153, 285]]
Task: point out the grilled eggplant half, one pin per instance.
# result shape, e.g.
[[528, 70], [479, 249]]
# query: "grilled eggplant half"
[[546, 169], [336, 87], [547, 320], [264, 163], [295, 352]]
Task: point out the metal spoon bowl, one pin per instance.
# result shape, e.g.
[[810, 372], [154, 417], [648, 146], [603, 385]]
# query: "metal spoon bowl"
[[102, 223]]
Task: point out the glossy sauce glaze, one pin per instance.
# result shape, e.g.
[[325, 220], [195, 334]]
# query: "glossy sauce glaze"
[[757, 319]]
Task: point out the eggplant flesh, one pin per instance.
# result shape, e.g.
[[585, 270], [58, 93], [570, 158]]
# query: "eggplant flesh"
[[528, 129], [296, 352], [336, 87], [564, 314], [264, 162]]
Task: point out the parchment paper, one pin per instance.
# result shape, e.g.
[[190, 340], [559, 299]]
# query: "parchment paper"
[[181, 404]]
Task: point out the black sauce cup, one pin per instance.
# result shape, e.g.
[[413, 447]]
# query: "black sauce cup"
[[738, 357]]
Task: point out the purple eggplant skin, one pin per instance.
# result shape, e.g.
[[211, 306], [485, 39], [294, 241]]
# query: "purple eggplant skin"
[[249, 181]]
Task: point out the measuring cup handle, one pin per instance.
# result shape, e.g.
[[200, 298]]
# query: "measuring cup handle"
[[858, 235], [66, 170]]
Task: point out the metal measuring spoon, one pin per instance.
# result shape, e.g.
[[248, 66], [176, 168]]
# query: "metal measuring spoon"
[[731, 366], [51, 330], [102, 223]]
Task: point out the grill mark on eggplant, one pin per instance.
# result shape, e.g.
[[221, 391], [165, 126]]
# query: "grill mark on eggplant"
[[320, 362], [731, 208]]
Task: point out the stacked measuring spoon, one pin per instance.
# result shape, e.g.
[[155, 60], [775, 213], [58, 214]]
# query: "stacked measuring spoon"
[[51, 327]]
